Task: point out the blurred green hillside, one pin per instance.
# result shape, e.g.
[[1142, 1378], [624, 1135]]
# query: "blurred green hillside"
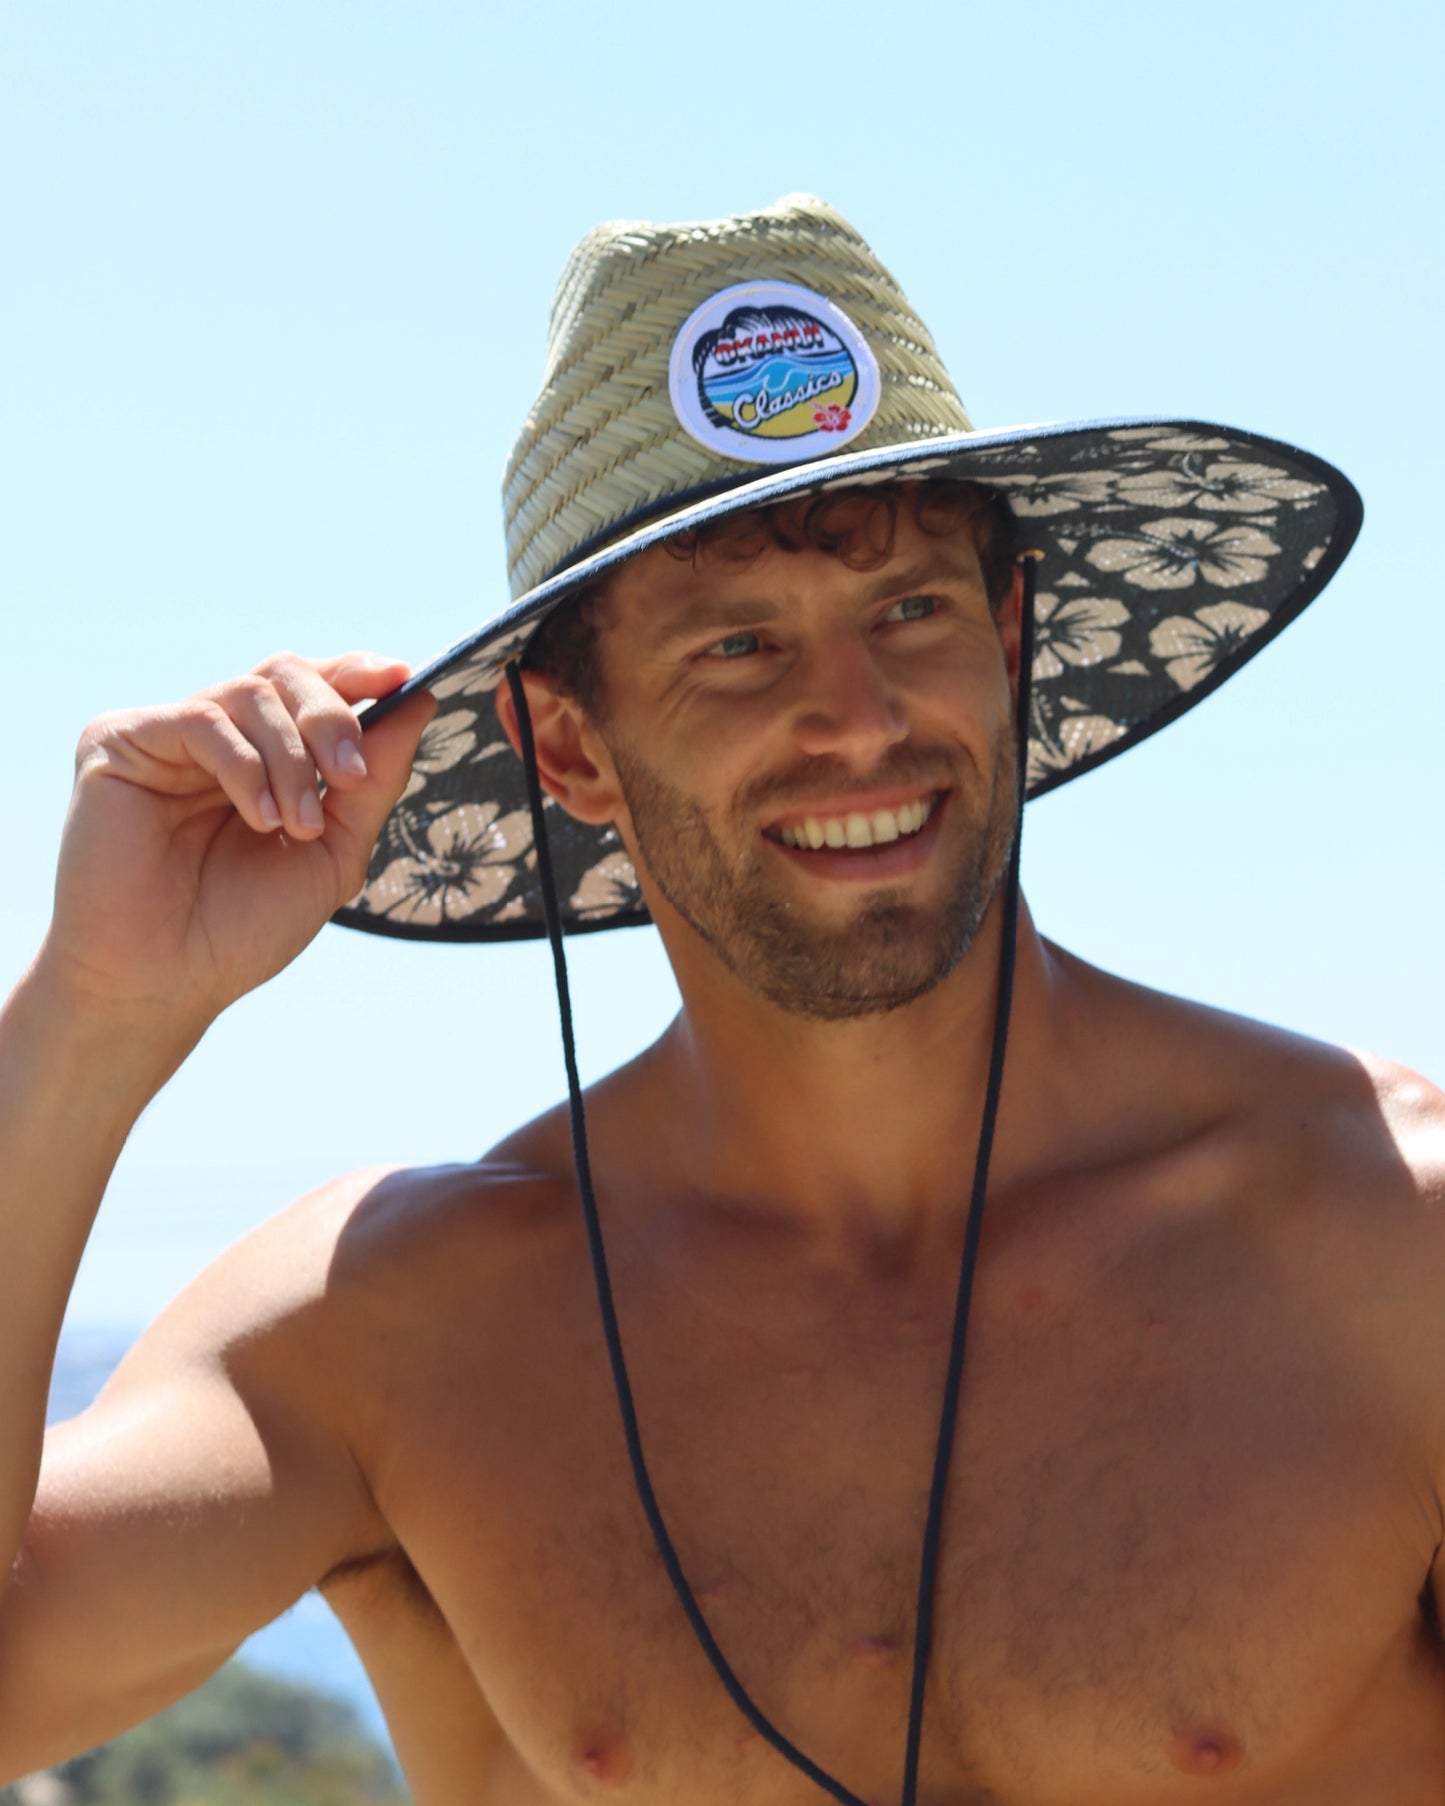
[[242, 1738]]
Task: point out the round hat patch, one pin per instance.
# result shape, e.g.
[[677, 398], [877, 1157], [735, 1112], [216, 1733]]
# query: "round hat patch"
[[771, 373]]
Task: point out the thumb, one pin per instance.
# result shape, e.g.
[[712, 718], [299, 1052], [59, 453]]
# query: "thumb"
[[355, 815]]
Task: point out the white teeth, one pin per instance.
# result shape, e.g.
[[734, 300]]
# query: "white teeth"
[[857, 829]]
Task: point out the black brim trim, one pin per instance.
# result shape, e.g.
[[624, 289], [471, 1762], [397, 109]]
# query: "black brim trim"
[[1239, 610], [459, 932]]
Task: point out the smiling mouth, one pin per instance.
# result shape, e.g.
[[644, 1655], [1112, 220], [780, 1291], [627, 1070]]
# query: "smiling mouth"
[[855, 829]]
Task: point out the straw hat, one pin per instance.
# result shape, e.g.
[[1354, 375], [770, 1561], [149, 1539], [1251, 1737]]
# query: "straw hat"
[[700, 369]]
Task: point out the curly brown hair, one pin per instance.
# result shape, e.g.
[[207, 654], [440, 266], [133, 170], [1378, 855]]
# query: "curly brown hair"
[[858, 526]]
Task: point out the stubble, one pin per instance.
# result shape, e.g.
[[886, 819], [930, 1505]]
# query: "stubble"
[[888, 951]]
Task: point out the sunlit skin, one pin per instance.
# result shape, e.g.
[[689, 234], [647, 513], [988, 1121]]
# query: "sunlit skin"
[[1192, 1536], [783, 688], [821, 700]]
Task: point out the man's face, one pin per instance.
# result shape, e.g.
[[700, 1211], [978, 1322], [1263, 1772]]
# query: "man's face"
[[817, 762]]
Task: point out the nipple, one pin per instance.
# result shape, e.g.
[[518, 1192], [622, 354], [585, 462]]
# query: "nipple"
[[1204, 1747], [604, 1755], [875, 1652]]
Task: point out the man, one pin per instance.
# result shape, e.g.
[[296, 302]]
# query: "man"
[[1189, 1529]]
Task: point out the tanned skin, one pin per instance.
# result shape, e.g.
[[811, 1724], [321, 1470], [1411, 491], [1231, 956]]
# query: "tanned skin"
[[1194, 1515]]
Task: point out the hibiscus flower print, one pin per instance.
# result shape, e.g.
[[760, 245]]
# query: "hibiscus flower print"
[[1170, 553], [1227, 485], [476, 676], [1063, 493], [831, 419], [1192, 646], [1062, 743], [1076, 631], [445, 741], [1151, 437], [461, 868], [608, 886]]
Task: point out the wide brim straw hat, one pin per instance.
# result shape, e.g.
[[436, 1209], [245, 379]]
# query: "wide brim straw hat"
[[697, 370]]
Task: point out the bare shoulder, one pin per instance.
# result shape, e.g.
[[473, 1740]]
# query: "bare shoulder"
[[1255, 1081], [1413, 1110], [403, 1228], [296, 1298], [232, 1460], [1367, 1129], [1326, 1162], [393, 1275]]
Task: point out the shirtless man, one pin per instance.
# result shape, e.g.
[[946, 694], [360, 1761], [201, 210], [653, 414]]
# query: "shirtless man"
[[1194, 1516]]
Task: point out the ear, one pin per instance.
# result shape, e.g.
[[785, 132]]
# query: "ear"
[[1009, 618], [572, 761]]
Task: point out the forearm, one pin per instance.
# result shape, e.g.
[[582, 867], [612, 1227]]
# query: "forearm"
[[74, 1079]]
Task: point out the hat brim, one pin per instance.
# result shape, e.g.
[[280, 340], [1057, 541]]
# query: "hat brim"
[[1170, 553]]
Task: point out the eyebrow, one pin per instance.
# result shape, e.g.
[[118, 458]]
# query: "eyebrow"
[[913, 579], [735, 616], [715, 617]]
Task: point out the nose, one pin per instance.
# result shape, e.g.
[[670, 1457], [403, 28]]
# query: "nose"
[[846, 706]]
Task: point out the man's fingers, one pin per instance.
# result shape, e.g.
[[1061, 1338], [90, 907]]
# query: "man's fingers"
[[391, 744], [265, 714], [219, 746], [270, 740], [156, 751], [317, 694], [363, 676], [327, 729]]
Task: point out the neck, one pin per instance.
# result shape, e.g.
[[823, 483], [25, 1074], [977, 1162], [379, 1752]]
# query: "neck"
[[866, 1129]]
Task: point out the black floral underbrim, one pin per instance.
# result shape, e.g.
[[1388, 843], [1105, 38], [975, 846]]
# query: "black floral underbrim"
[[1171, 552]]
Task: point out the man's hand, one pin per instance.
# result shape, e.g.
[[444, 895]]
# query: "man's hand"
[[200, 856]]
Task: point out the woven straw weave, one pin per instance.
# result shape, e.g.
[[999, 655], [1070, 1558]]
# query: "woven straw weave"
[[603, 447], [1169, 551]]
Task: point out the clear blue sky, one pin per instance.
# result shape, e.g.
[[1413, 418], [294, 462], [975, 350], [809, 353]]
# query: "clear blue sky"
[[275, 289]]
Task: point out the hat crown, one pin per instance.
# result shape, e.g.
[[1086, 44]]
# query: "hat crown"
[[604, 447]]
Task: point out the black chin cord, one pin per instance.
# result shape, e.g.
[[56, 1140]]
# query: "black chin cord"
[[735, 1689], [621, 1384], [933, 1527]]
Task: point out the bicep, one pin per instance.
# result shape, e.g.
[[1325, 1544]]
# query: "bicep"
[[197, 1499]]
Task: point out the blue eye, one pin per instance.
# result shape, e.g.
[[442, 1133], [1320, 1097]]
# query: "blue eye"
[[913, 608], [736, 645]]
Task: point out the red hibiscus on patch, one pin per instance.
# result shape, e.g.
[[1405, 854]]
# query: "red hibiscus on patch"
[[831, 419]]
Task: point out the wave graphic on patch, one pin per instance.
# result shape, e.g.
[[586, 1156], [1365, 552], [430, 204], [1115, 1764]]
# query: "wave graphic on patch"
[[765, 372]]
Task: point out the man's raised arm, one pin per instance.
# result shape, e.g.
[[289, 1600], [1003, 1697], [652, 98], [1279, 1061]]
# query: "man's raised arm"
[[198, 859]]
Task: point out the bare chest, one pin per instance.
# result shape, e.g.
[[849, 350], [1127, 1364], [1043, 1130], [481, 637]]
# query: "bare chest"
[[1183, 1541]]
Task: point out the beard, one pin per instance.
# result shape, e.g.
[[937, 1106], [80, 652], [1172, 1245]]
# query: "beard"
[[889, 951]]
